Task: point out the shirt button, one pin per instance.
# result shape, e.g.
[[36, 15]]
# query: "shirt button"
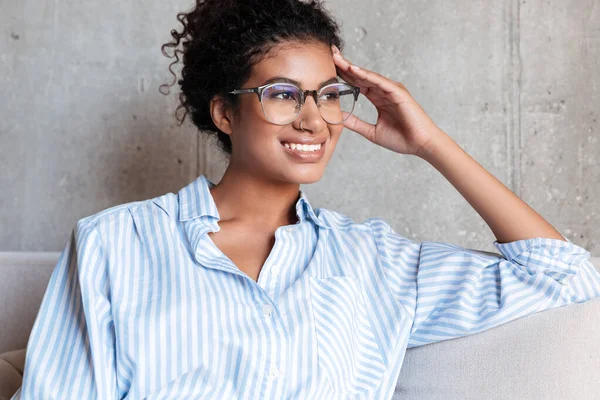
[[267, 310], [275, 270], [289, 229], [274, 373]]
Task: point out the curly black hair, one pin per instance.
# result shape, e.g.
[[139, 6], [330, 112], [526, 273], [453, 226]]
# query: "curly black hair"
[[223, 39]]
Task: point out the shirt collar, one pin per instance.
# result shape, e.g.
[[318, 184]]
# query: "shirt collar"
[[195, 200]]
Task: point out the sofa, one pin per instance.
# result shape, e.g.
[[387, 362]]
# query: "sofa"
[[553, 354]]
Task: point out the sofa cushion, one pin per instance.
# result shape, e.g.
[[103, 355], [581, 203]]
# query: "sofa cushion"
[[552, 355], [11, 372]]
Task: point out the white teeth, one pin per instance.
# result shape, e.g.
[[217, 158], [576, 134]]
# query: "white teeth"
[[303, 147]]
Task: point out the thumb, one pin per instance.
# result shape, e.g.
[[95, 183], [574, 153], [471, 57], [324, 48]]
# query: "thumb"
[[358, 125]]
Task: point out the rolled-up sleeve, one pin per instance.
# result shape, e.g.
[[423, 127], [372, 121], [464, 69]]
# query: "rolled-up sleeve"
[[454, 291], [71, 349]]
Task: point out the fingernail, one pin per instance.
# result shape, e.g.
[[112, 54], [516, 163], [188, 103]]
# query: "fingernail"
[[335, 49]]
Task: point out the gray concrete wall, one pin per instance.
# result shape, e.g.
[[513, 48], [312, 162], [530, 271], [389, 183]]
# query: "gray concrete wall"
[[515, 83]]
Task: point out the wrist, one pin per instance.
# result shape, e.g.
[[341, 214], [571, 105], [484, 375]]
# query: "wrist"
[[432, 146]]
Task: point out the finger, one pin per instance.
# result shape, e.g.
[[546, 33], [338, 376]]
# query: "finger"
[[358, 125], [368, 80], [353, 70], [341, 63], [351, 80], [374, 92], [373, 80], [354, 80], [343, 66], [377, 97]]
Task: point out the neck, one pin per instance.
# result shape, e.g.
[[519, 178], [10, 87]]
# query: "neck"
[[247, 199]]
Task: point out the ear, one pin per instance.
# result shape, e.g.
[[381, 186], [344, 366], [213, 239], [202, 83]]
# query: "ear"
[[220, 115]]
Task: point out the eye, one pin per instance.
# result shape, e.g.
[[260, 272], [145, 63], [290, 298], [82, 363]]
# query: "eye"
[[285, 95], [331, 95], [281, 92]]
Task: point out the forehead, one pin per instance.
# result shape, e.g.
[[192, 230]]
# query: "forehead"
[[309, 64]]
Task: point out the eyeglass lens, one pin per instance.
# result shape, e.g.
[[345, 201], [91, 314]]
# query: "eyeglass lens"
[[281, 102]]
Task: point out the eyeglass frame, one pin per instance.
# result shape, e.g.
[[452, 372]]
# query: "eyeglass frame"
[[303, 95]]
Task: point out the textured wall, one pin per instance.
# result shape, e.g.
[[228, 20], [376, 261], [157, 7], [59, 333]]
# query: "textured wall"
[[515, 83]]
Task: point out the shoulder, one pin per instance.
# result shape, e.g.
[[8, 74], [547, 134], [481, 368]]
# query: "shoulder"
[[342, 222], [374, 231], [126, 213]]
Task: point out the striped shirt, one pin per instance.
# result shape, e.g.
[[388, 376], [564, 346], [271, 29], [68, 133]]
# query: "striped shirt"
[[143, 305]]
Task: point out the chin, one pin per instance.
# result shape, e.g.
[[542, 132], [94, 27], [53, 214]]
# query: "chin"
[[310, 176], [303, 175]]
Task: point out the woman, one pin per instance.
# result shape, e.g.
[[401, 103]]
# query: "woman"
[[242, 290]]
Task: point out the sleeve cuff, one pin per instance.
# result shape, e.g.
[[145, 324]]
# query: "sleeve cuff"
[[556, 258]]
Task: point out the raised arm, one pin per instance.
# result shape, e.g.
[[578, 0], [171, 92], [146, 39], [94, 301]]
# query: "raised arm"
[[405, 128], [509, 217]]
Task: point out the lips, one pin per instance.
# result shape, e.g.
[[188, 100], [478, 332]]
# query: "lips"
[[304, 140]]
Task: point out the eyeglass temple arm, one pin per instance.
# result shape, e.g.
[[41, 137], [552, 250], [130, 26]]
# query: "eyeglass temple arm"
[[354, 91], [238, 91], [251, 90]]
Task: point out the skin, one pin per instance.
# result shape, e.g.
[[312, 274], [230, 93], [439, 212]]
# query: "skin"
[[260, 187], [261, 183]]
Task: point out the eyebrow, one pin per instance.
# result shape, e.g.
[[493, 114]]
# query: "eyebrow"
[[288, 80]]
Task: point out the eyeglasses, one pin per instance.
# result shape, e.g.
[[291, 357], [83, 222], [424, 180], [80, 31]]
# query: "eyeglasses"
[[281, 102]]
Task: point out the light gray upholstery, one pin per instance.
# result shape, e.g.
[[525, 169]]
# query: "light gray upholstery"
[[554, 354]]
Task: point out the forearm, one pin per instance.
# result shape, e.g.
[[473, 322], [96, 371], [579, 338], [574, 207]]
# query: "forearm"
[[509, 217]]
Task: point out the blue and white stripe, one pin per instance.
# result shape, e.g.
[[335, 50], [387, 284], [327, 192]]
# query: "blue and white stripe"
[[143, 305]]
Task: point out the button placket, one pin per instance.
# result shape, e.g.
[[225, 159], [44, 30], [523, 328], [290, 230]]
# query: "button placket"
[[275, 270]]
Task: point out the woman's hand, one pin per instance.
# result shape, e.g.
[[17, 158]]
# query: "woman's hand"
[[402, 125]]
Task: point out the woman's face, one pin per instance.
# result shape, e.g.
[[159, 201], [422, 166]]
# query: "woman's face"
[[258, 145]]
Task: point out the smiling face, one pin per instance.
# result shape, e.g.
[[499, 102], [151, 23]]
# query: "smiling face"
[[258, 146]]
